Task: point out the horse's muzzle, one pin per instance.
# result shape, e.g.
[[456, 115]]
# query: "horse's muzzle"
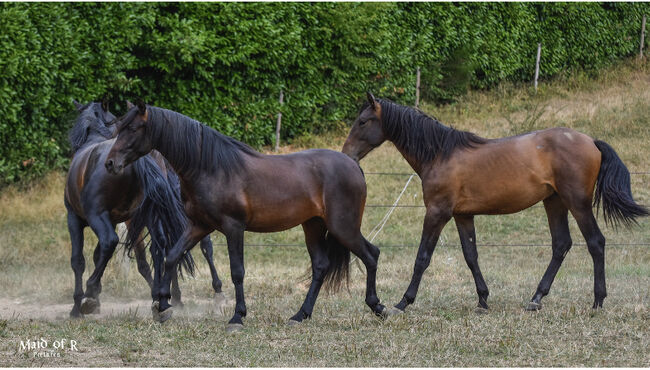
[[111, 167]]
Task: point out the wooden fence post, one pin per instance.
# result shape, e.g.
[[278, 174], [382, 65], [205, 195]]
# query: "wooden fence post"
[[642, 37], [278, 124], [417, 87], [539, 54]]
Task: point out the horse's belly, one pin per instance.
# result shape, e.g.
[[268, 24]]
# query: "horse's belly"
[[273, 217], [502, 200]]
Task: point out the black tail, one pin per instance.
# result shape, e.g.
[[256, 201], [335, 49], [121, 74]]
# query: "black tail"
[[161, 210], [339, 264], [613, 189]]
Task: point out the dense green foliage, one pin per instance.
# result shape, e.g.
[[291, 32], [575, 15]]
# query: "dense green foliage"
[[224, 64]]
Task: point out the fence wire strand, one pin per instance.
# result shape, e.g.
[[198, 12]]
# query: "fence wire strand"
[[399, 246]]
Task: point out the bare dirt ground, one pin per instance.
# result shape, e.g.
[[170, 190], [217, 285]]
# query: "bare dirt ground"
[[17, 309]]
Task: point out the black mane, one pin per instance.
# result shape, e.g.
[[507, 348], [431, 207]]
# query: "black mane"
[[193, 147], [421, 136], [90, 122]]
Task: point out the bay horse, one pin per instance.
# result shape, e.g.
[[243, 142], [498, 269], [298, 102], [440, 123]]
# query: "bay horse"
[[229, 187], [144, 195], [465, 175]]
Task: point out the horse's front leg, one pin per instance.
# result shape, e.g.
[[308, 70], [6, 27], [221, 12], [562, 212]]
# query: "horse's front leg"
[[235, 238], [434, 221], [77, 261], [467, 235], [162, 309]]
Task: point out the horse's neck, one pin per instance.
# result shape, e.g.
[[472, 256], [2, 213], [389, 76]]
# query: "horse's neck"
[[165, 149], [414, 163]]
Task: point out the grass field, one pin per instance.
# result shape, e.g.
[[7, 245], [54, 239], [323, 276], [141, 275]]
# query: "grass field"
[[440, 329]]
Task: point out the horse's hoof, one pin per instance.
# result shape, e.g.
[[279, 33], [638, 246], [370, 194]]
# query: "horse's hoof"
[[165, 315], [234, 328], [481, 310], [533, 306], [383, 314], [293, 322], [393, 311], [75, 314], [89, 306]]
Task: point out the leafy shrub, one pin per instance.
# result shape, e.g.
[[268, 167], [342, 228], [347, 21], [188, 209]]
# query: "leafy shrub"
[[225, 63]]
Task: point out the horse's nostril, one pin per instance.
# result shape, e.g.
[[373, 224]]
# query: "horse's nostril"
[[109, 164]]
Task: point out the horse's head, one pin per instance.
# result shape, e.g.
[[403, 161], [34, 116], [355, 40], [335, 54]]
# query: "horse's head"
[[133, 140], [94, 123], [367, 132]]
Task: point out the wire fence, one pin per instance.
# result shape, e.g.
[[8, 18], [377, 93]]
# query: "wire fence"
[[641, 173], [444, 244]]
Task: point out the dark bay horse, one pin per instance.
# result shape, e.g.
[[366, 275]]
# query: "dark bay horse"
[[230, 187], [143, 195], [465, 175]]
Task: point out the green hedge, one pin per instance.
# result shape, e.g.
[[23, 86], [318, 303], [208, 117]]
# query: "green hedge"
[[225, 64]]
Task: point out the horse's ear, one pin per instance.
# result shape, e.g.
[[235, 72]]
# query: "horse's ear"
[[105, 104], [142, 107], [77, 105], [129, 105], [371, 99]]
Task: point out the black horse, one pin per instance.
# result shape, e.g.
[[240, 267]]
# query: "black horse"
[[230, 187], [145, 194]]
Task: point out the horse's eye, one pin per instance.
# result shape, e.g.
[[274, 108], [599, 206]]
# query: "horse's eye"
[[362, 123]]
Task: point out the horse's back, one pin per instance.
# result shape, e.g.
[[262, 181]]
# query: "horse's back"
[[510, 174], [282, 191]]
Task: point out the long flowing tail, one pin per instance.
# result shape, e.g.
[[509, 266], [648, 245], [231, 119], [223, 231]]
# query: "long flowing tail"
[[161, 210], [339, 266], [614, 191]]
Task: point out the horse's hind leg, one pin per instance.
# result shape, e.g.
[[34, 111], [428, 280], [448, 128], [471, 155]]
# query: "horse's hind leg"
[[558, 222], [77, 261], [176, 290], [219, 297], [206, 248], [369, 255], [141, 259], [108, 240], [350, 237], [315, 232], [596, 245], [467, 234]]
